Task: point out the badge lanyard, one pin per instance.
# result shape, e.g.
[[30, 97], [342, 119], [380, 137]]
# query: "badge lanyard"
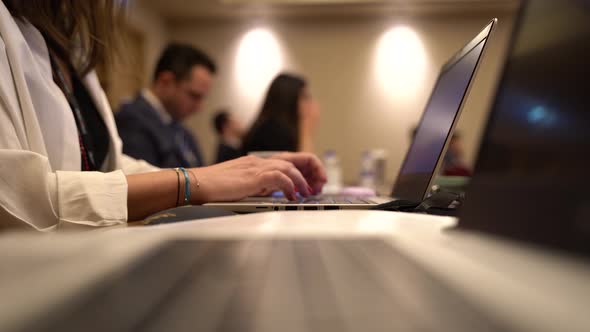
[[88, 160]]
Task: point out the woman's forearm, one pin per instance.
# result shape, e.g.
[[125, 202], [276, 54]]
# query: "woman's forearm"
[[233, 180], [149, 193]]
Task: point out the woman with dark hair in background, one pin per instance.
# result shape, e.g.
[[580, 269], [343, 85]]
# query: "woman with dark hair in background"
[[287, 120], [60, 154]]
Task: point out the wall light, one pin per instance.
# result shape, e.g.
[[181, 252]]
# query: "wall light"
[[400, 62], [258, 60]]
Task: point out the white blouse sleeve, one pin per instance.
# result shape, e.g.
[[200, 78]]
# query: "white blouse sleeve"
[[41, 186], [34, 196]]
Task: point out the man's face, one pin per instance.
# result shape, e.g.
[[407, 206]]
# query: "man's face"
[[188, 95]]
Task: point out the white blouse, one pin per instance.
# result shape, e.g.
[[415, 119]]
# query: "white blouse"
[[41, 185]]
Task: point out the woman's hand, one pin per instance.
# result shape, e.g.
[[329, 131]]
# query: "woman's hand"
[[309, 165], [250, 176]]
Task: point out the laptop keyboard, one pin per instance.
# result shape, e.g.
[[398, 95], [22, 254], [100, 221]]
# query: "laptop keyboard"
[[313, 200], [270, 285], [332, 200]]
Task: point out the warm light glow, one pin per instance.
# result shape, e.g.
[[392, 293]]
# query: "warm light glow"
[[400, 62], [258, 61]]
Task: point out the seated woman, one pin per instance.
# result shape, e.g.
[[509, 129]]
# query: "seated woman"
[[287, 120], [60, 155]]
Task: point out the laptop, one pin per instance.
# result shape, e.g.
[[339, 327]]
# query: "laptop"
[[531, 178], [426, 153]]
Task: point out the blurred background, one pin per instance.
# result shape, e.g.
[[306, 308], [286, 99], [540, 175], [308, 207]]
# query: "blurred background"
[[371, 64]]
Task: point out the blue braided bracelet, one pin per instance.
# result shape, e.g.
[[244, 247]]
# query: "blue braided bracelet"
[[187, 186]]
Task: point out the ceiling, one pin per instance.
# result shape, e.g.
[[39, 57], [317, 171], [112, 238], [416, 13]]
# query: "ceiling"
[[176, 11]]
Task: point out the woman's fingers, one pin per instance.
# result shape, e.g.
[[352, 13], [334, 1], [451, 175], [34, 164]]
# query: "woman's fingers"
[[292, 172], [298, 179], [254, 176], [278, 179], [307, 162], [310, 166], [317, 174]]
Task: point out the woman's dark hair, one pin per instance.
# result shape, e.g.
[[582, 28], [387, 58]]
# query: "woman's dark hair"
[[85, 29], [280, 110]]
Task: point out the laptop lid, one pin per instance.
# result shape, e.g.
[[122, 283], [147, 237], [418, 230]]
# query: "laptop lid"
[[435, 128], [531, 179]]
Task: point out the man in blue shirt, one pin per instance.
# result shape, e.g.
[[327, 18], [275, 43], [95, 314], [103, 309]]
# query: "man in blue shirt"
[[150, 125]]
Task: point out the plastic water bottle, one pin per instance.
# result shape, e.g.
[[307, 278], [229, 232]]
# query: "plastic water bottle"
[[380, 165], [333, 173], [367, 172]]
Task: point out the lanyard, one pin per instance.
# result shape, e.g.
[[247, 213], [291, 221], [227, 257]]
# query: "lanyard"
[[85, 140]]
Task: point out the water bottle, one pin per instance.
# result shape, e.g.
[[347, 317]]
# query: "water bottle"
[[367, 171], [333, 173], [380, 164]]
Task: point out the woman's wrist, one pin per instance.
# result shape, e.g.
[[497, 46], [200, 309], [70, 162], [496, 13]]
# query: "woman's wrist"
[[199, 190], [190, 191], [152, 192]]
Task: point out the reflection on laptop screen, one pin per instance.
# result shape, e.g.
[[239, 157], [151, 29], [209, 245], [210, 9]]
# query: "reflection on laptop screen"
[[532, 178], [435, 125]]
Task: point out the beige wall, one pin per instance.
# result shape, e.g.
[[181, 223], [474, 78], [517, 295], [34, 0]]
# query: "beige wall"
[[337, 56], [154, 31]]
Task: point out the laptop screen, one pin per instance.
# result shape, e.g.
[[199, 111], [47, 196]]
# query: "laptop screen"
[[532, 176], [437, 121]]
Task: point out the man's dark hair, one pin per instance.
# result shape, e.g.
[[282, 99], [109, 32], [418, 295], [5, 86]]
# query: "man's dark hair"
[[219, 121], [180, 60]]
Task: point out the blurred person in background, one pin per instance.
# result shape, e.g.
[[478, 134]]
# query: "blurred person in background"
[[229, 133], [454, 163], [288, 118], [61, 160], [151, 125]]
